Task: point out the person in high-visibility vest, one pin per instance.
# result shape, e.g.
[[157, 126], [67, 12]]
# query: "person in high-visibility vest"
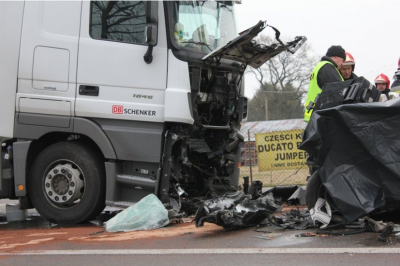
[[347, 68], [326, 71]]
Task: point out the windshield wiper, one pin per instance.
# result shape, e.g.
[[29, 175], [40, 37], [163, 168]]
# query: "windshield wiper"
[[201, 43]]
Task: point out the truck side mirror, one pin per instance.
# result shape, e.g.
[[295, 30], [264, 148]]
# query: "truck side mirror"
[[151, 30], [151, 40]]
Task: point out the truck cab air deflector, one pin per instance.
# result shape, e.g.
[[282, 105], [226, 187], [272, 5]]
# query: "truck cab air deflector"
[[243, 49]]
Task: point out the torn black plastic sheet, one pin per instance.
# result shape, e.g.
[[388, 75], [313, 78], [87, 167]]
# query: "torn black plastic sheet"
[[235, 213], [282, 193], [357, 147], [293, 195], [298, 197]]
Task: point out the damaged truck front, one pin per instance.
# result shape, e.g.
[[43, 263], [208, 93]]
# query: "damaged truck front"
[[114, 100]]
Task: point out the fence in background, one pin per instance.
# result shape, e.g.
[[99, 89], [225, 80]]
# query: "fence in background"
[[270, 153]]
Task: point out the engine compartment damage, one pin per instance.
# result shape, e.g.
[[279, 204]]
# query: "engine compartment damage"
[[203, 158], [201, 162]]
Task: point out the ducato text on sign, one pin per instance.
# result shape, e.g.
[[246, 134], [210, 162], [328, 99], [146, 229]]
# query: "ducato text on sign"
[[279, 150]]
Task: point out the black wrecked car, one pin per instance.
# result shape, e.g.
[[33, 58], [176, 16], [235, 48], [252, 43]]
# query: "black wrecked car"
[[354, 146]]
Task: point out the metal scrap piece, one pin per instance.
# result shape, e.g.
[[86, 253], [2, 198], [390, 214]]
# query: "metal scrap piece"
[[235, 213]]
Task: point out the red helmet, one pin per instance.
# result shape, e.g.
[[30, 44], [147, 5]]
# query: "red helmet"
[[399, 63], [350, 61], [382, 78]]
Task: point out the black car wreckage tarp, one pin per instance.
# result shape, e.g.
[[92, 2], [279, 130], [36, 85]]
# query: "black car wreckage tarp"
[[357, 149]]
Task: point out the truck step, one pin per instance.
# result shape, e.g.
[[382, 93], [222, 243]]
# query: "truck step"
[[143, 182]]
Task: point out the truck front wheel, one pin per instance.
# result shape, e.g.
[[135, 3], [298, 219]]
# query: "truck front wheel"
[[67, 183]]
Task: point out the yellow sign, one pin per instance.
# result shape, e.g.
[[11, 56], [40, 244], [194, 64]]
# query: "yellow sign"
[[278, 150]]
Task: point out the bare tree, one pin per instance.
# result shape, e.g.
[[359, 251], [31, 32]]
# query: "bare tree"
[[119, 20], [286, 68], [283, 83]]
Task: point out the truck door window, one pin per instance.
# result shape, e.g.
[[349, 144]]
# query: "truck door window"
[[122, 21]]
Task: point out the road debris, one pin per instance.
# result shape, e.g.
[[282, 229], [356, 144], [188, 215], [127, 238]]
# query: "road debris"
[[293, 195], [311, 234], [263, 237], [149, 213], [294, 219], [386, 231], [237, 210]]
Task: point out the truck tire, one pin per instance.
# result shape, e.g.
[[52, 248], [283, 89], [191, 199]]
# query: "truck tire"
[[313, 190], [67, 183]]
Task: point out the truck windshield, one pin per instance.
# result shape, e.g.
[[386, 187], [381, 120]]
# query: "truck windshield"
[[202, 26]]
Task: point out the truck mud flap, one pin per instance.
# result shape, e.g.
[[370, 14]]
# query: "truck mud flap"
[[6, 180]]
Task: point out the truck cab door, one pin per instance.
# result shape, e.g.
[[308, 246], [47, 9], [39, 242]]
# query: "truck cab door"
[[114, 81]]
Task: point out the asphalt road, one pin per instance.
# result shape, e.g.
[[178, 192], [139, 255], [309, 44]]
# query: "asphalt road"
[[37, 242], [208, 259]]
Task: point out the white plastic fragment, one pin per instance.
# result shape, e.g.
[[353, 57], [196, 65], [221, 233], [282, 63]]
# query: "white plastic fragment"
[[149, 213], [317, 214]]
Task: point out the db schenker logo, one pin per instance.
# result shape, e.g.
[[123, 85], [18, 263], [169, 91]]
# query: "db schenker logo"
[[117, 109]]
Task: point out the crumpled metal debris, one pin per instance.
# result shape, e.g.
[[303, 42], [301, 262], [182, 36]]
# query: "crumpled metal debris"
[[294, 219], [364, 224], [385, 229], [237, 210]]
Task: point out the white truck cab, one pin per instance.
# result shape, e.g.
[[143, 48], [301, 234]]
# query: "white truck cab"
[[105, 102]]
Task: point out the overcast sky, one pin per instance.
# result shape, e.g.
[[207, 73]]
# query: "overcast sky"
[[369, 30]]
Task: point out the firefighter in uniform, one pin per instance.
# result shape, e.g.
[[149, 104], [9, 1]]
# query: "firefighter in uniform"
[[347, 69], [382, 83], [326, 71]]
